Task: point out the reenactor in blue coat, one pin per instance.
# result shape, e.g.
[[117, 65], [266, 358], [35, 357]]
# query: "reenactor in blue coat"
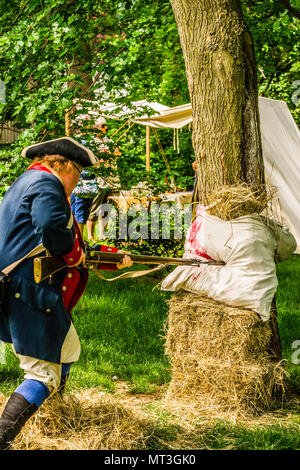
[[36, 319]]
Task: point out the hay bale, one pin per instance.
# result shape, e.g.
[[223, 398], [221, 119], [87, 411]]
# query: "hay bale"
[[237, 200], [220, 357]]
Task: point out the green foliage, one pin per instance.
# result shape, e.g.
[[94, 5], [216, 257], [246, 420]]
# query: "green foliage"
[[276, 38], [150, 63], [158, 232], [47, 47], [50, 53], [11, 166], [131, 163]]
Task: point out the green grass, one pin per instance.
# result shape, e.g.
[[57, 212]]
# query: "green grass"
[[288, 307], [121, 328], [224, 435]]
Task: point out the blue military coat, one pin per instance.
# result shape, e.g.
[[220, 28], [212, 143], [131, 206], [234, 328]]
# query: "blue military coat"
[[35, 210]]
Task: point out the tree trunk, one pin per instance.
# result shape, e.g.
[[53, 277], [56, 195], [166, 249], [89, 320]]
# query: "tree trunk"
[[221, 74]]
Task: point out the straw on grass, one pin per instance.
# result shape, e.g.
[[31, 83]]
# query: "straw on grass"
[[85, 420]]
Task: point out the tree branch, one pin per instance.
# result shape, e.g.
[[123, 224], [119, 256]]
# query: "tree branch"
[[268, 84], [290, 8]]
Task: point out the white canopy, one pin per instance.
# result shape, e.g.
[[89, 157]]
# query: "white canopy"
[[174, 118], [280, 142]]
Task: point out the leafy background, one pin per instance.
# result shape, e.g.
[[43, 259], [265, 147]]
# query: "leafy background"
[[50, 50]]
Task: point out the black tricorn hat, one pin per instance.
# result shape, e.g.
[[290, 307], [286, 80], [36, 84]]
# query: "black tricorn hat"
[[66, 147]]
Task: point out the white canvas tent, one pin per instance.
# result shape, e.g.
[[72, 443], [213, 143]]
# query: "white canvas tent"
[[280, 142], [281, 153]]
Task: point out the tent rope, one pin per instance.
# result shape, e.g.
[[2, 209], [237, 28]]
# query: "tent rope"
[[161, 150], [120, 128], [163, 154], [125, 132]]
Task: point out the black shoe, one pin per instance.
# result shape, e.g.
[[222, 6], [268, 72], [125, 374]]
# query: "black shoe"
[[15, 414]]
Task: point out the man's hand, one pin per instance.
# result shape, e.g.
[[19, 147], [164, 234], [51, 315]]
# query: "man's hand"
[[126, 261]]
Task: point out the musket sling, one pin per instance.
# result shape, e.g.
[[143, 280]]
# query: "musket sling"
[[131, 274]]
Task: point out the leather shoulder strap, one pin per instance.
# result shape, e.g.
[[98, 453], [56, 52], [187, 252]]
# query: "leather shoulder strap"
[[36, 251]]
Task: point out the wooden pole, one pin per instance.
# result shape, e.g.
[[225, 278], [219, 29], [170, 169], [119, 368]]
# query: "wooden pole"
[[67, 122], [148, 148]]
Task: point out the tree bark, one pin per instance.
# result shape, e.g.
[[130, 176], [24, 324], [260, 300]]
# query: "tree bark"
[[221, 74]]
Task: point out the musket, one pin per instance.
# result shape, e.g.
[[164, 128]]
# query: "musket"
[[46, 266]]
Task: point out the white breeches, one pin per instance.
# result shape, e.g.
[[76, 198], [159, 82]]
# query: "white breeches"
[[49, 372]]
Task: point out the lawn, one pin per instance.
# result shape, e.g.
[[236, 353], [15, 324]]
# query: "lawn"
[[121, 327], [288, 306]]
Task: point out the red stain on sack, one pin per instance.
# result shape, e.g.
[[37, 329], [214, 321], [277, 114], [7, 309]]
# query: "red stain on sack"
[[195, 246]]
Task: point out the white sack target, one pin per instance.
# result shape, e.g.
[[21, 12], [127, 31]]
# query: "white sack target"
[[248, 246]]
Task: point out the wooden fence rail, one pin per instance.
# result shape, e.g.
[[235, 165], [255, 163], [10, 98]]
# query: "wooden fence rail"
[[8, 133]]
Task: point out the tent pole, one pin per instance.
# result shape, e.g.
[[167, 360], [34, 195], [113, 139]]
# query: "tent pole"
[[67, 122], [148, 148]]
